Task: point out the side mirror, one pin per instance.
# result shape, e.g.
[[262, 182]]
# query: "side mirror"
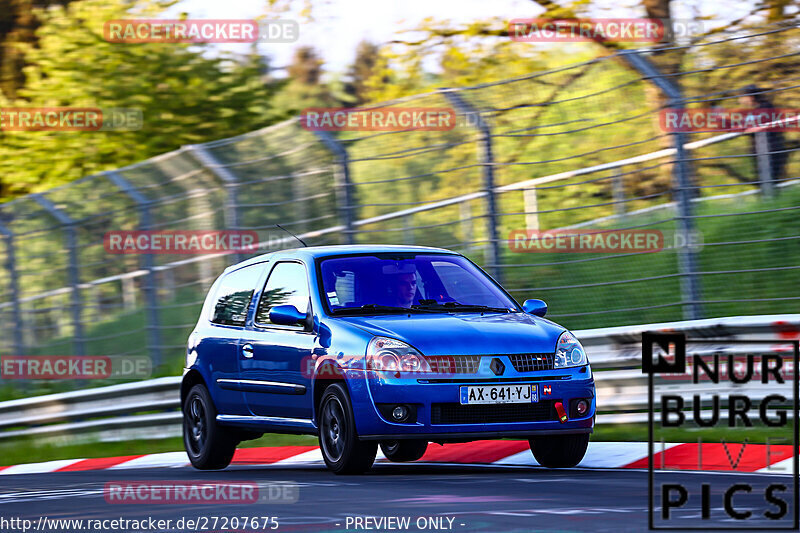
[[286, 315], [535, 307]]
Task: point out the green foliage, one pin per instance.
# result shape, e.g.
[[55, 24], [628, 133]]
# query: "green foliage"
[[757, 434], [588, 285], [185, 97], [18, 24]]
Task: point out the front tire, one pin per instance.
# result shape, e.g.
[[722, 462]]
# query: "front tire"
[[401, 451], [559, 451], [207, 444], [341, 449]]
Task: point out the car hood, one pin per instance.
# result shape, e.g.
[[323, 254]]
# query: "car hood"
[[465, 333]]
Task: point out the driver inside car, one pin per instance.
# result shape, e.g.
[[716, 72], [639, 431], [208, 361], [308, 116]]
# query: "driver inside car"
[[404, 289]]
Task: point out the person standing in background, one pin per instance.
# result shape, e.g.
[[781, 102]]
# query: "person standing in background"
[[753, 96]]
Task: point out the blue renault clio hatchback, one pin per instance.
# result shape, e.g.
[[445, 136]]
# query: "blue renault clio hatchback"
[[396, 346]]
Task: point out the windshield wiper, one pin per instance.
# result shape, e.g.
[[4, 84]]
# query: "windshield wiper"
[[455, 306], [373, 308]]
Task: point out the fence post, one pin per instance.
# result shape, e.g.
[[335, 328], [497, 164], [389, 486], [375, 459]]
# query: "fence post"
[[763, 164], [150, 287], [465, 212], [408, 230], [230, 182], [619, 195], [682, 184], [73, 270], [486, 158], [531, 203], [345, 196], [13, 289]]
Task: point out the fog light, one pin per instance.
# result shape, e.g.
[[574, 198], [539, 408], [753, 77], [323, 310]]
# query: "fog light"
[[399, 412], [582, 407]]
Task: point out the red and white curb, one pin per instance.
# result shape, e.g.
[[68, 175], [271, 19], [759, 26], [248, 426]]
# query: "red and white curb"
[[759, 458]]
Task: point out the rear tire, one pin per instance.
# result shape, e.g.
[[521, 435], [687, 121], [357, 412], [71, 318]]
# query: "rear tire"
[[207, 444], [341, 449], [559, 451], [401, 451]]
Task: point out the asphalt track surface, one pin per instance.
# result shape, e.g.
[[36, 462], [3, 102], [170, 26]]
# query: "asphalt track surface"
[[476, 498]]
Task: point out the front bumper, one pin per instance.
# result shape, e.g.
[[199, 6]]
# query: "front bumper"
[[432, 397]]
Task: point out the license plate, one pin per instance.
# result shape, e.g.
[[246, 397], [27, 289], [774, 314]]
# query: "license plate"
[[483, 394]]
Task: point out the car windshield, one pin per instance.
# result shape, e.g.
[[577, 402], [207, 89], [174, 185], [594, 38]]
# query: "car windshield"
[[386, 283]]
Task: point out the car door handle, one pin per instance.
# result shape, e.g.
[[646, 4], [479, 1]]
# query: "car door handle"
[[247, 350]]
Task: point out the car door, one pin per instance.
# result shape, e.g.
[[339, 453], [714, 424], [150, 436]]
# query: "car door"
[[221, 336], [274, 356]]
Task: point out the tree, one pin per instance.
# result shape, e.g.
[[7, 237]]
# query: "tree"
[[304, 88], [185, 97], [362, 69], [18, 24], [306, 66]]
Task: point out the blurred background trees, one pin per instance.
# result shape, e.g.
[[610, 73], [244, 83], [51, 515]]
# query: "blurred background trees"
[[52, 53], [18, 24]]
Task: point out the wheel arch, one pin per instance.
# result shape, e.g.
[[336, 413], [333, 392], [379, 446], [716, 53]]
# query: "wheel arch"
[[327, 374], [192, 378]]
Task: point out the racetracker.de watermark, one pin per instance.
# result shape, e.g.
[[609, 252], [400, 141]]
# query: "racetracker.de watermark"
[[70, 119], [199, 492], [586, 241], [378, 119], [132, 31], [180, 242], [380, 366], [718, 119], [51, 367], [601, 241], [619, 30]]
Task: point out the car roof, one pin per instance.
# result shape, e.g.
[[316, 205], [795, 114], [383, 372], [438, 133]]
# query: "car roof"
[[312, 252]]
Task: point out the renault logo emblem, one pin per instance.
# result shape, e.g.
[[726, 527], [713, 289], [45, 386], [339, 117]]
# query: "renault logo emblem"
[[497, 367]]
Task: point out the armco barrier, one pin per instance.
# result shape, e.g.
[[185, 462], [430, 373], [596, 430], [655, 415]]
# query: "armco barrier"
[[116, 412]]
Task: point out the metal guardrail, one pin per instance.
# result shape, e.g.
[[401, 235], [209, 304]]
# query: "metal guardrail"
[[103, 409], [151, 409]]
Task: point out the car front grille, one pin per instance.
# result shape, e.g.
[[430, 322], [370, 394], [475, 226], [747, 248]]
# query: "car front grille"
[[454, 364], [531, 362], [455, 413]]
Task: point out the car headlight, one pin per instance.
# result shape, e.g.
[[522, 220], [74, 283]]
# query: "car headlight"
[[392, 355], [569, 352]]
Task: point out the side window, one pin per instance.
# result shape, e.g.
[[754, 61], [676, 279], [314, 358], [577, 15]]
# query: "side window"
[[287, 285], [234, 294]]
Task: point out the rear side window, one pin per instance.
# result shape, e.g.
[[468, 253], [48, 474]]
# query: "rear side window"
[[234, 294], [287, 285]]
